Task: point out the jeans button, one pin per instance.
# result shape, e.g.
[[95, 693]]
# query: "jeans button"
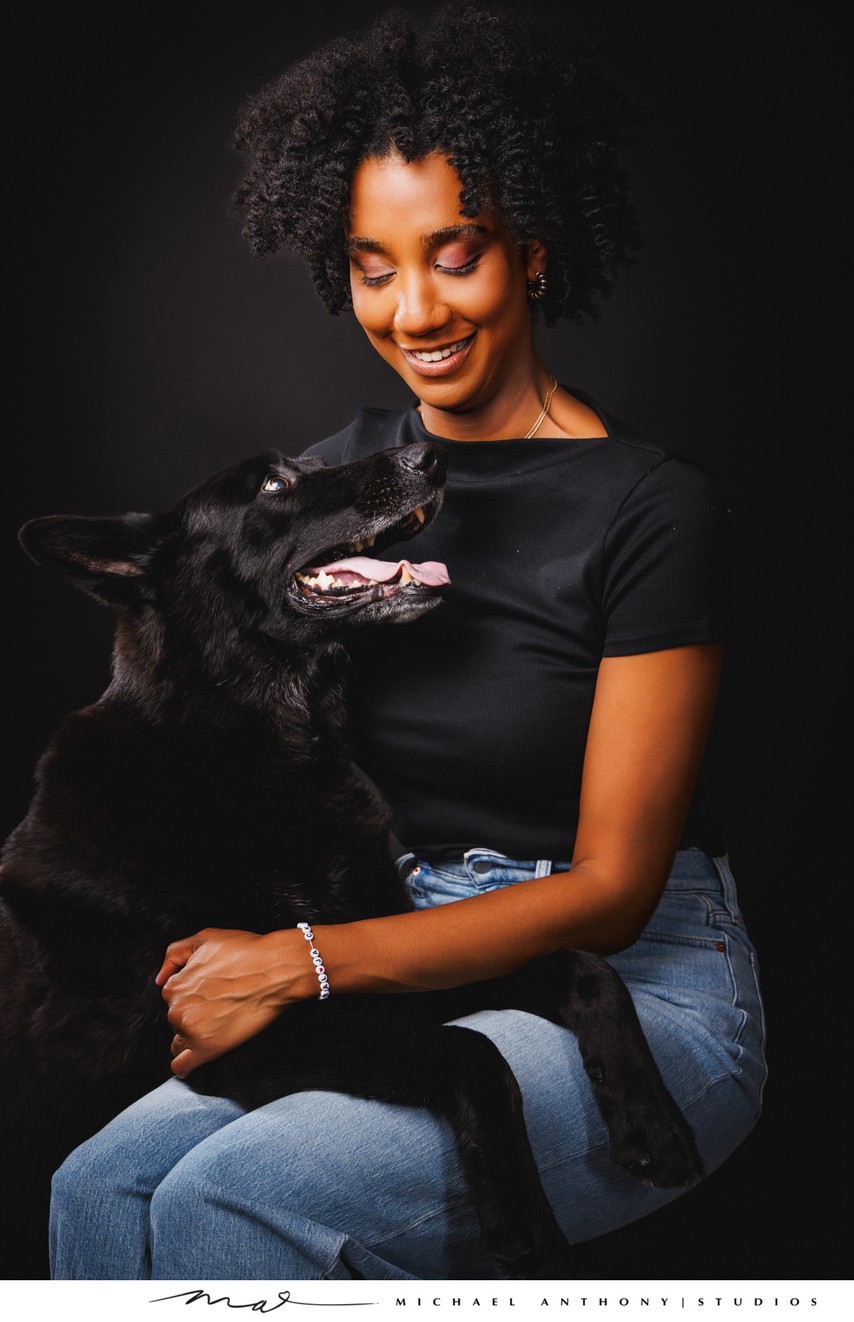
[[482, 866]]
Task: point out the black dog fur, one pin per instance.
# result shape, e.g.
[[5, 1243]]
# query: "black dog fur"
[[211, 786]]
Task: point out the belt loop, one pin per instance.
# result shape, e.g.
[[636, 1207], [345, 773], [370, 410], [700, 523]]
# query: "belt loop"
[[404, 864], [543, 868]]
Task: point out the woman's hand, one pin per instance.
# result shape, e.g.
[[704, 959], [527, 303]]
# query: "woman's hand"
[[223, 986]]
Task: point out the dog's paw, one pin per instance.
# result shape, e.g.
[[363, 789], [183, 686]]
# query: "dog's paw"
[[657, 1146]]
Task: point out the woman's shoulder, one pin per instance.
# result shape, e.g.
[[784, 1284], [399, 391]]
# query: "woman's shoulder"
[[657, 466], [372, 429]]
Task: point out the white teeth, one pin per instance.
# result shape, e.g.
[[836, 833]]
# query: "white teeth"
[[437, 355], [323, 582], [356, 547], [405, 576], [420, 515]]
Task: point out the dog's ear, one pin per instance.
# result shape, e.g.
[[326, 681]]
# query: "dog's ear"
[[107, 558]]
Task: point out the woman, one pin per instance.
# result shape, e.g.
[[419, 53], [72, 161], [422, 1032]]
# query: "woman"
[[539, 736]]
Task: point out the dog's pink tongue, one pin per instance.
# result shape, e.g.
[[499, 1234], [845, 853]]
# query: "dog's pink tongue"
[[432, 574]]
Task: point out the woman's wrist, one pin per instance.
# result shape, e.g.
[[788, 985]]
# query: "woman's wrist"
[[293, 970], [373, 955], [317, 961]]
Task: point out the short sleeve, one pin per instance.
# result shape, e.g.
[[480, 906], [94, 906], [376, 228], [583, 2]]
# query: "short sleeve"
[[668, 563]]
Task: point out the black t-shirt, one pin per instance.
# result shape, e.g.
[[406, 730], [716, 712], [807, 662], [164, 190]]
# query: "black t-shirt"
[[472, 720]]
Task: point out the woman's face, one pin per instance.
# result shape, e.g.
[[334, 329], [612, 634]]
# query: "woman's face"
[[442, 297]]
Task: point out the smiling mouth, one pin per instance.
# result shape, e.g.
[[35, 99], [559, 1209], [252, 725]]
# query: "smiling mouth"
[[436, 362], [436, 355]]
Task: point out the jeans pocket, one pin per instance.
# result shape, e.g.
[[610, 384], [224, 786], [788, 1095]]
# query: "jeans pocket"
[[491, 878]]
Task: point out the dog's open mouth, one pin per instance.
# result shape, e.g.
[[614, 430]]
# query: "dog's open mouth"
[[346, 576]]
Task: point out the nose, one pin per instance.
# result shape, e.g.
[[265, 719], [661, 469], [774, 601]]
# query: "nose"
[[418, 311], [425, 457]]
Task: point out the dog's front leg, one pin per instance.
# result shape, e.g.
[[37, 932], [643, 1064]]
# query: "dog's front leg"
[[649, 1136]]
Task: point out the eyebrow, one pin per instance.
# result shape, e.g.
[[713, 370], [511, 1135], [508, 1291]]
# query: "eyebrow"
[[434, 240]]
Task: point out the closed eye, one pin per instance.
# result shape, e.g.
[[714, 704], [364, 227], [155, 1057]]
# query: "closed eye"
[[383, 279], [274, 485], [459, 270]]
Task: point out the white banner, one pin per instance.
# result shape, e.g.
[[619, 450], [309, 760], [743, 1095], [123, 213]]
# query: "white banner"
[[439, 1301]]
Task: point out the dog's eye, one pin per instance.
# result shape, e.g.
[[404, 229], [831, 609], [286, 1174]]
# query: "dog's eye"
[[275, 484]]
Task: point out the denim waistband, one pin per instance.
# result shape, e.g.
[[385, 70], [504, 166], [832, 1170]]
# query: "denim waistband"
[[692, 868], [478, 859]]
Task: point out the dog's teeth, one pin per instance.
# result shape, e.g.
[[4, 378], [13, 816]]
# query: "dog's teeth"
[[324, 582], [420, 515], [370, 542], [405, 576]]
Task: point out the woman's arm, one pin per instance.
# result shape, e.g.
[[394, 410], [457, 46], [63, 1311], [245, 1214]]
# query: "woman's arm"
[[648, 730]]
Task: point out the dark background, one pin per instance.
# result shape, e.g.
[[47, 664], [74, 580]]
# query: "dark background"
[[148, 349]]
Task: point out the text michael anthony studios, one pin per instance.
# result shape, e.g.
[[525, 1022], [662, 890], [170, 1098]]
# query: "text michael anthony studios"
[[395, 1301]]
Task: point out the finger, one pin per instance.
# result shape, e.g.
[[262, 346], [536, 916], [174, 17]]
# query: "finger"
[[167, 968], [177, 955], [178, 1044], [184, 1063]]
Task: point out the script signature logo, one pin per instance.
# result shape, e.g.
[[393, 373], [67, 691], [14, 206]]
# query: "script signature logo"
[[281, 1298]]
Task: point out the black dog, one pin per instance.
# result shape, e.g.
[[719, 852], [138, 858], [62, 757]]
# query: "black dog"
[[211, 786]]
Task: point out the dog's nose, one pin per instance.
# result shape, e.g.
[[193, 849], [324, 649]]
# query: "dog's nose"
[[425, 457]]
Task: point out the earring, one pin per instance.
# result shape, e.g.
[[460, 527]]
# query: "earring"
[[538, 286]]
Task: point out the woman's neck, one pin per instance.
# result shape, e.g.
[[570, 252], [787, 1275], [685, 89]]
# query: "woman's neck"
[[514, 409], [510, 416]]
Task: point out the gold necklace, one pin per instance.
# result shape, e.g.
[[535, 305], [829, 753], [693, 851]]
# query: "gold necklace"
[[552, 388]]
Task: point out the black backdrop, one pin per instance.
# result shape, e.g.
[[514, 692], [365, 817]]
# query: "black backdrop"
[[149, 349]]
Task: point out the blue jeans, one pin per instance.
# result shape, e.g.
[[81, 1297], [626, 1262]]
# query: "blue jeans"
[[324, 1186]]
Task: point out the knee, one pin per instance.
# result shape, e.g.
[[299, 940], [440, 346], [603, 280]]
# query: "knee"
[[196, 1189], [176, 1201], [78, 1169], [83, 1175]]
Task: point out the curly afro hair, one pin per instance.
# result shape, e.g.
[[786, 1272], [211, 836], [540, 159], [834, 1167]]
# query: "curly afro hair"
[[520, 107]]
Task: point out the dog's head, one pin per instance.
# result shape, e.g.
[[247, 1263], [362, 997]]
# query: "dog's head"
[[287, 548]]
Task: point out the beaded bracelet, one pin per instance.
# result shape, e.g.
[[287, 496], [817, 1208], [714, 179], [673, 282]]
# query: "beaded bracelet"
[[316, 960]]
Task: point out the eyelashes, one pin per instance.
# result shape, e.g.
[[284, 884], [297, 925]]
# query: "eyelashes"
[[376, 279], [444, 270], [460, 270]]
